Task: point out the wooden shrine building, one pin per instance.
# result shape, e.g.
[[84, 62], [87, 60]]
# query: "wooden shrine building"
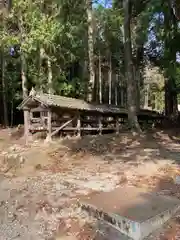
[[56, 114]]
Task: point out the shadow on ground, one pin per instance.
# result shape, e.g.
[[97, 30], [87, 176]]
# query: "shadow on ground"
[[126, 148]]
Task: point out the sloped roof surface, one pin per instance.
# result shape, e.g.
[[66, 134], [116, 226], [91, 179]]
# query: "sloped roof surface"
[[73, 103]]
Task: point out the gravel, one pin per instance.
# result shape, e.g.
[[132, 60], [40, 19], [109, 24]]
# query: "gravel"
[[34, 207]]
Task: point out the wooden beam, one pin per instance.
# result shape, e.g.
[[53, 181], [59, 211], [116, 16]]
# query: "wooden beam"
[[26, 124], [78, 125], [49, 125], [88, 129], [117, 125], [61, 127], [100, 124]]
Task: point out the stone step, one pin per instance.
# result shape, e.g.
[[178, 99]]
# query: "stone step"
[[135, 212]]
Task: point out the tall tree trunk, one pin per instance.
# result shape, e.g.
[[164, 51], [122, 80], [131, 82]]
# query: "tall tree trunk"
[[170, 25], [138, 64], [176, 8], [146, 95], [100, 79], [50, 88], [12, 112], [175, 32], [131, 86], [23, 76], [23, 59], [39, 64], [3, 67], [168, 98], [91, 83], [137, 82], [116, 89], [122, 91], [110, 79], [24, 80], [5, 108], [25, 95], [175, 104]]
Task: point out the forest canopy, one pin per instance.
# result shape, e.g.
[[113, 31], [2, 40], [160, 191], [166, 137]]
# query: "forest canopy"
[[124, 52]]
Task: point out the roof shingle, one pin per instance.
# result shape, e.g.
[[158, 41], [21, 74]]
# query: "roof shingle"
[[77, 104]]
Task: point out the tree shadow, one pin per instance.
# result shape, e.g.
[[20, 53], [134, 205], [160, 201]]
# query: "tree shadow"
[[130, 150], [127, 148]]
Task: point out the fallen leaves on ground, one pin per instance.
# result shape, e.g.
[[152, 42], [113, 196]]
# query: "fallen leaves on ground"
[[43, 203]]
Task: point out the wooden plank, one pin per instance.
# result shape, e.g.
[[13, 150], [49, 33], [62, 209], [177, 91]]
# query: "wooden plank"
[[61, 127], [82, 129], [117, 125], [26, 124], [78, 125], [49, 126], [35, 120], [100, 125], [88, 129], [95, 121]]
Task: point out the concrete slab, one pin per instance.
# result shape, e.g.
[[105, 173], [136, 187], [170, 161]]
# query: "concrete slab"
[[107, 232], [133, 211]]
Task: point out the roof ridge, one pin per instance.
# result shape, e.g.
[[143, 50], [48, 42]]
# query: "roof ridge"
[[55, 95]]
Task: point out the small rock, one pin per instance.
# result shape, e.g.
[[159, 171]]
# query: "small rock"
[[13, 148], [6, 169], [21, 160], [9, 175], [12, 216], [4, 153], [2, 203], [38, 167], [177, 180]]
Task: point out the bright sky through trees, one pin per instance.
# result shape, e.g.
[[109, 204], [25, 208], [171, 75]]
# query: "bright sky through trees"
[[105, 3]]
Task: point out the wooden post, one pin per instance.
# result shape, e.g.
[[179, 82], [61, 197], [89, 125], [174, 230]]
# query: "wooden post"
[[100, 125], [30, 114], [49, 125], [116, 90], [117, 125], [122, 97], [78, 125], [26, 123]]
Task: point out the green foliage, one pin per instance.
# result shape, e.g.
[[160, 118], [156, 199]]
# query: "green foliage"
[[60, 29]]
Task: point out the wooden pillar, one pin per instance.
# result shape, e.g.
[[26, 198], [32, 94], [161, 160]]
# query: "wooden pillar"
[[117, 125], [116, 90], [78, 125], [26, 123], [122, 96], [49, 125], [30, 114], [100, 124]]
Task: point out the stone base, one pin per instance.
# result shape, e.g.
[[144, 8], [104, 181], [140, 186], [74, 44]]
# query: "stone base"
[[132, 211]]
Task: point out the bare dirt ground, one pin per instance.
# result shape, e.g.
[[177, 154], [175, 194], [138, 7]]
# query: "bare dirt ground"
[[41, 183]]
